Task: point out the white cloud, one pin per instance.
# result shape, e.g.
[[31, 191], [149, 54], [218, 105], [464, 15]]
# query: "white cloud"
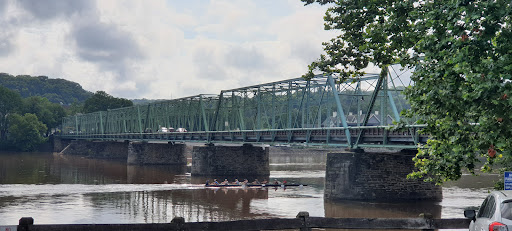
[[162, 49]]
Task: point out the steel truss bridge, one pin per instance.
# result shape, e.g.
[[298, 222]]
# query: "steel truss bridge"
[[320, 111]]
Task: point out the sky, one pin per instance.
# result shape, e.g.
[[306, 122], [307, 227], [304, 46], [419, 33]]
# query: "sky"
[[161, 49]]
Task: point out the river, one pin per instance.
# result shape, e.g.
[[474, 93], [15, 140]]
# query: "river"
[[57, 189]]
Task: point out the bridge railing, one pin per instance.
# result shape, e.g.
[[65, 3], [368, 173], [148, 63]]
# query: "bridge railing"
[[374, 136], [302, 222]]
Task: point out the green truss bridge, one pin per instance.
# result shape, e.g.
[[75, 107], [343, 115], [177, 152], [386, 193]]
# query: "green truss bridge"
[[320, 111]]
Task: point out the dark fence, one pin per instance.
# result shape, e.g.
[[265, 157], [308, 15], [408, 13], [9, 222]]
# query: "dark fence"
[[301, 222]]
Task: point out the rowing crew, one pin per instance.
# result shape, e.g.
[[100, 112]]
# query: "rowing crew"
[[244, 182]]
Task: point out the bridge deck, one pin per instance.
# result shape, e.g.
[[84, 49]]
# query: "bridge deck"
[[373, 137]]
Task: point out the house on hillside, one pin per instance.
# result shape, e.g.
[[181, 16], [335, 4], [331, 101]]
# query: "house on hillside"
[[355, 120]]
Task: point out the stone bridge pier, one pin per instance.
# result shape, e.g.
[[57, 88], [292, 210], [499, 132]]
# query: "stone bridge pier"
[[134, 152], [238, 161], [208, 160], [375, 177], [143, 153]]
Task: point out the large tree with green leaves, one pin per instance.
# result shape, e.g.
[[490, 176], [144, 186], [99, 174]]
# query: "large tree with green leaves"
[[463, 79], [26, 132], [101, 101], [47, 112], [10, 102]]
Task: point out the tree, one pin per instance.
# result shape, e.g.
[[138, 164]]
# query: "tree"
[[74, 108], [55, 90], [25, 132], [47, 112], [9, 103], [462, 82], [101, 101], [376, 32]]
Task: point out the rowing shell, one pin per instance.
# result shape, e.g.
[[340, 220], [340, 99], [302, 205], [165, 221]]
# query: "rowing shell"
[[256, 185]]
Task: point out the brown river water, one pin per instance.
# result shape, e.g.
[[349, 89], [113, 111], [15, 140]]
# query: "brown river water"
[[57, 189]]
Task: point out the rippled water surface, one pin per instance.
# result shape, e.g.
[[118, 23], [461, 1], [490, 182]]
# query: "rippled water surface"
[[56, 189]]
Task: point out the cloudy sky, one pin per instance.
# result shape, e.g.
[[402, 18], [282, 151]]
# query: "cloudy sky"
[[160, 49]]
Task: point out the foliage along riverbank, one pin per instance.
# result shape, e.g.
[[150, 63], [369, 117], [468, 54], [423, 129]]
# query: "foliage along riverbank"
[[26, 123]]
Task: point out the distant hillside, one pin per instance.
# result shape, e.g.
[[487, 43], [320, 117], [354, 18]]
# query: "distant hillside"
[[55, 90]]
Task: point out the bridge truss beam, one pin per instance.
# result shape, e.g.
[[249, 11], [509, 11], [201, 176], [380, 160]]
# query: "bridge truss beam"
[[288, 111]]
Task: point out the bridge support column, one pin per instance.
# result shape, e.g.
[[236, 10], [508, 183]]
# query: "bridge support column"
[[238, 161], [375, 177], [143, 153], [59, 144], [96, 149]]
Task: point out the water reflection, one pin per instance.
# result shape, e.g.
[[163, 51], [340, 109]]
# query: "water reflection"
[[158, 174], [358, 209], [45, 168], [138, 203], [24, 168], [193, 205], [474, 181], [287, 162]]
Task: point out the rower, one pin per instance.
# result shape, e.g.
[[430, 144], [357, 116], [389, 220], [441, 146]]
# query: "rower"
[[256, 181], [225, 182], [236, 182], [215, 182], [243, 183]]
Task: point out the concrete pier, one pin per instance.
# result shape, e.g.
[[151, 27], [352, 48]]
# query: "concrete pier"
[[143, 153], [59, 144], [375, 177], [135, 153], [245, 160], [97, 149]]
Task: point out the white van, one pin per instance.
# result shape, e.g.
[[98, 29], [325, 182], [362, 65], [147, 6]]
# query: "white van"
[[181, 130], [163, 130]]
